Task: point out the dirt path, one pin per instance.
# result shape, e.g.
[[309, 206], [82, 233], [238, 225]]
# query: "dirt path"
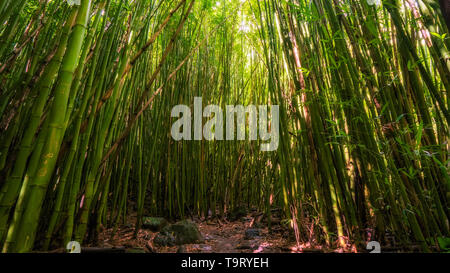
[[219, 237], [234, 238]]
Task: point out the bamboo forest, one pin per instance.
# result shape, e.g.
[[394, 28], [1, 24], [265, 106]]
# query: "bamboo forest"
[[357, 94]]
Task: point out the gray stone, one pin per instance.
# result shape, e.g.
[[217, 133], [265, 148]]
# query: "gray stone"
[[252, 233]]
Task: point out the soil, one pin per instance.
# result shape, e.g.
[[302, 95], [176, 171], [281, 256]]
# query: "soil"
[[220, 236]]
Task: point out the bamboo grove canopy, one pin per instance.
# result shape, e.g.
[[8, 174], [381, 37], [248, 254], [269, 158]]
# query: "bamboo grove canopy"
[[87, 86]]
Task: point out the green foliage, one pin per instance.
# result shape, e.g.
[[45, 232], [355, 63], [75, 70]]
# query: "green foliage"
[[444, 244]]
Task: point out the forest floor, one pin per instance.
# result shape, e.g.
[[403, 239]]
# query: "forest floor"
[[220, 236]]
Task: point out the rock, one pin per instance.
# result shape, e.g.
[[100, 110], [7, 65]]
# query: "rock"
[[180, 233], [237, 213], [185, 232], [154, 224], [252, 233]]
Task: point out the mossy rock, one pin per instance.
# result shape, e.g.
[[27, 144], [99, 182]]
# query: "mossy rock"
[[154, 224], [185, 232], [180, 233]]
